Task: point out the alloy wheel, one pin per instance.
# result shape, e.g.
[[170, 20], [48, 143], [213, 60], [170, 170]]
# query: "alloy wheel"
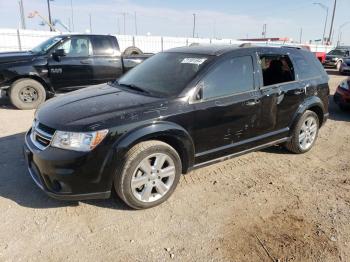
[[308, 132], [153, 177]]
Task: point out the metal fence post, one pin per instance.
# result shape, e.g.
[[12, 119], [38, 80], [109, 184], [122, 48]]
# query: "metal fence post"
[[19, 40], [162, 43], [133, 40], [186, 41]]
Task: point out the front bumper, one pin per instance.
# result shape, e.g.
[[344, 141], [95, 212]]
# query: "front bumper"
[[68, 175], [329, 63]]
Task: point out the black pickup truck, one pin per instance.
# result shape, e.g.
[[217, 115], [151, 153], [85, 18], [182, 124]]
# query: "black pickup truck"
[[63, 63]]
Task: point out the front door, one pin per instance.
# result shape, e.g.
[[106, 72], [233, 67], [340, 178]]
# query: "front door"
[[227, 108], [75, 69]]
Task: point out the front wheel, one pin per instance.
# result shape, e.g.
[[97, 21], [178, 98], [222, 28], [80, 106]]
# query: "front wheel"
[[304, 134], [27, 94], [149, 174]]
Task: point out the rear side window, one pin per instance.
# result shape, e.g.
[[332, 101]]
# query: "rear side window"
[[232, 76], [305, 68], [276, 69], [103, 45]]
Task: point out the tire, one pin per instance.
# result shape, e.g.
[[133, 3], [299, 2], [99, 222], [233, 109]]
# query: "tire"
[[27, 94], [338, 66], [140, 188], [296, 145], [132, 50]]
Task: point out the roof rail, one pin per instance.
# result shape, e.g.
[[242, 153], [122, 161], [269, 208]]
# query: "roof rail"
[[295, 47]]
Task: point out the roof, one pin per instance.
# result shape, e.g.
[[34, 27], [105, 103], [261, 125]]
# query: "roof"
[[215, 50]]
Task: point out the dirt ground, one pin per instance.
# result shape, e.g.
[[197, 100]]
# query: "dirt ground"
[[265, 206]]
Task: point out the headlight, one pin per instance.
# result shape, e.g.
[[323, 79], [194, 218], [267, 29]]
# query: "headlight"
[[78, 141], [344, 85]]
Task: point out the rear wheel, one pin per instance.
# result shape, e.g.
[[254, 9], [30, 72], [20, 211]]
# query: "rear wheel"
[[27, 94], [149, 175], [304, 134]]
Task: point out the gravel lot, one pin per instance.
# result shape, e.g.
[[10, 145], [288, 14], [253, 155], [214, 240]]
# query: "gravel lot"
[[259, 207]]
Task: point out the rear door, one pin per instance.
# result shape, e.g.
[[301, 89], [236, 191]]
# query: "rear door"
[[227, 107], [281, 91], [106, 59], [75, 69]]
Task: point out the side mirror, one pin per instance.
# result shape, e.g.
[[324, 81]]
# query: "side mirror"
[[58, 53]]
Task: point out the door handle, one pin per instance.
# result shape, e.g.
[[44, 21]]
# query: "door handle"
[[252, 102], [86, 62]]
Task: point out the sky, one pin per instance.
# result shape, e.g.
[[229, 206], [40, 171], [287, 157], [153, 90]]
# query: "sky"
[[234, 19]]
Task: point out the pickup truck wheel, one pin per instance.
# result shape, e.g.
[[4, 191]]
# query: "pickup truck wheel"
[[27, 94], [304, 134], [149, 174]]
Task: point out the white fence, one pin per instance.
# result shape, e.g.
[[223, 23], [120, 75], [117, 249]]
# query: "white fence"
[[17, 40]]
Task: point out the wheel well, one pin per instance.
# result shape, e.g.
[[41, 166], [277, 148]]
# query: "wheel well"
[[36, 78], [318, 110], [177, 145]]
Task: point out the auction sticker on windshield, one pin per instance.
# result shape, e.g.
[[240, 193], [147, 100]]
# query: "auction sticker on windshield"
[[192, 60]]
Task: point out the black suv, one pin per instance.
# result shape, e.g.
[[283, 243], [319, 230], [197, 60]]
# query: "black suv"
[[179, 110]]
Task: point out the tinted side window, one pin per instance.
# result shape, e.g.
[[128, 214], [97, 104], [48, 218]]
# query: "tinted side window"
[[306, 68], [103, 45], [232, 76], [76, 47], [276, 69]]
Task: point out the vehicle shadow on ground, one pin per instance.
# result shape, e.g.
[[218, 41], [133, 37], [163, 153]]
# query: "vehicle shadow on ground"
[[5, 103], [333, 72], [17, 185]]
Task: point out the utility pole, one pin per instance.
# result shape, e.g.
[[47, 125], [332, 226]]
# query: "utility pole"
[[301, 35], [90, 23], [72, 14], [194, 25], [332, 23], [135, 23], [49, 9], [21, 11]]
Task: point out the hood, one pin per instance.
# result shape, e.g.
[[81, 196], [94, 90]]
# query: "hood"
[[9, 57], [95, 108]]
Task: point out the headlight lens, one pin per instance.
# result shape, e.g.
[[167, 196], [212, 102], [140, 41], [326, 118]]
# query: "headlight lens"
[[78, 141], [344, 85]]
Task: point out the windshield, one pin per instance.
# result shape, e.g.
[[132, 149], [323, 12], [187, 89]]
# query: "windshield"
[[164, 74], [339, 52], [45, 46]]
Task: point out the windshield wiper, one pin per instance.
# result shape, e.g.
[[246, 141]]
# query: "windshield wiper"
[[134, 87]]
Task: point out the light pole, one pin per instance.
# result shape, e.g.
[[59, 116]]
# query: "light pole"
[[194, 25], [324, 7], [72, 14], [21, 11], [332, 23], [49, 9], [340, 33]]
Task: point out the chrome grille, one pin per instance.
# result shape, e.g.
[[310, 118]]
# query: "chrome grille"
[[41, 135]]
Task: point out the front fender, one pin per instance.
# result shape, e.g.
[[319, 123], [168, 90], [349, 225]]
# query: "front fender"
[[168, 132]]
